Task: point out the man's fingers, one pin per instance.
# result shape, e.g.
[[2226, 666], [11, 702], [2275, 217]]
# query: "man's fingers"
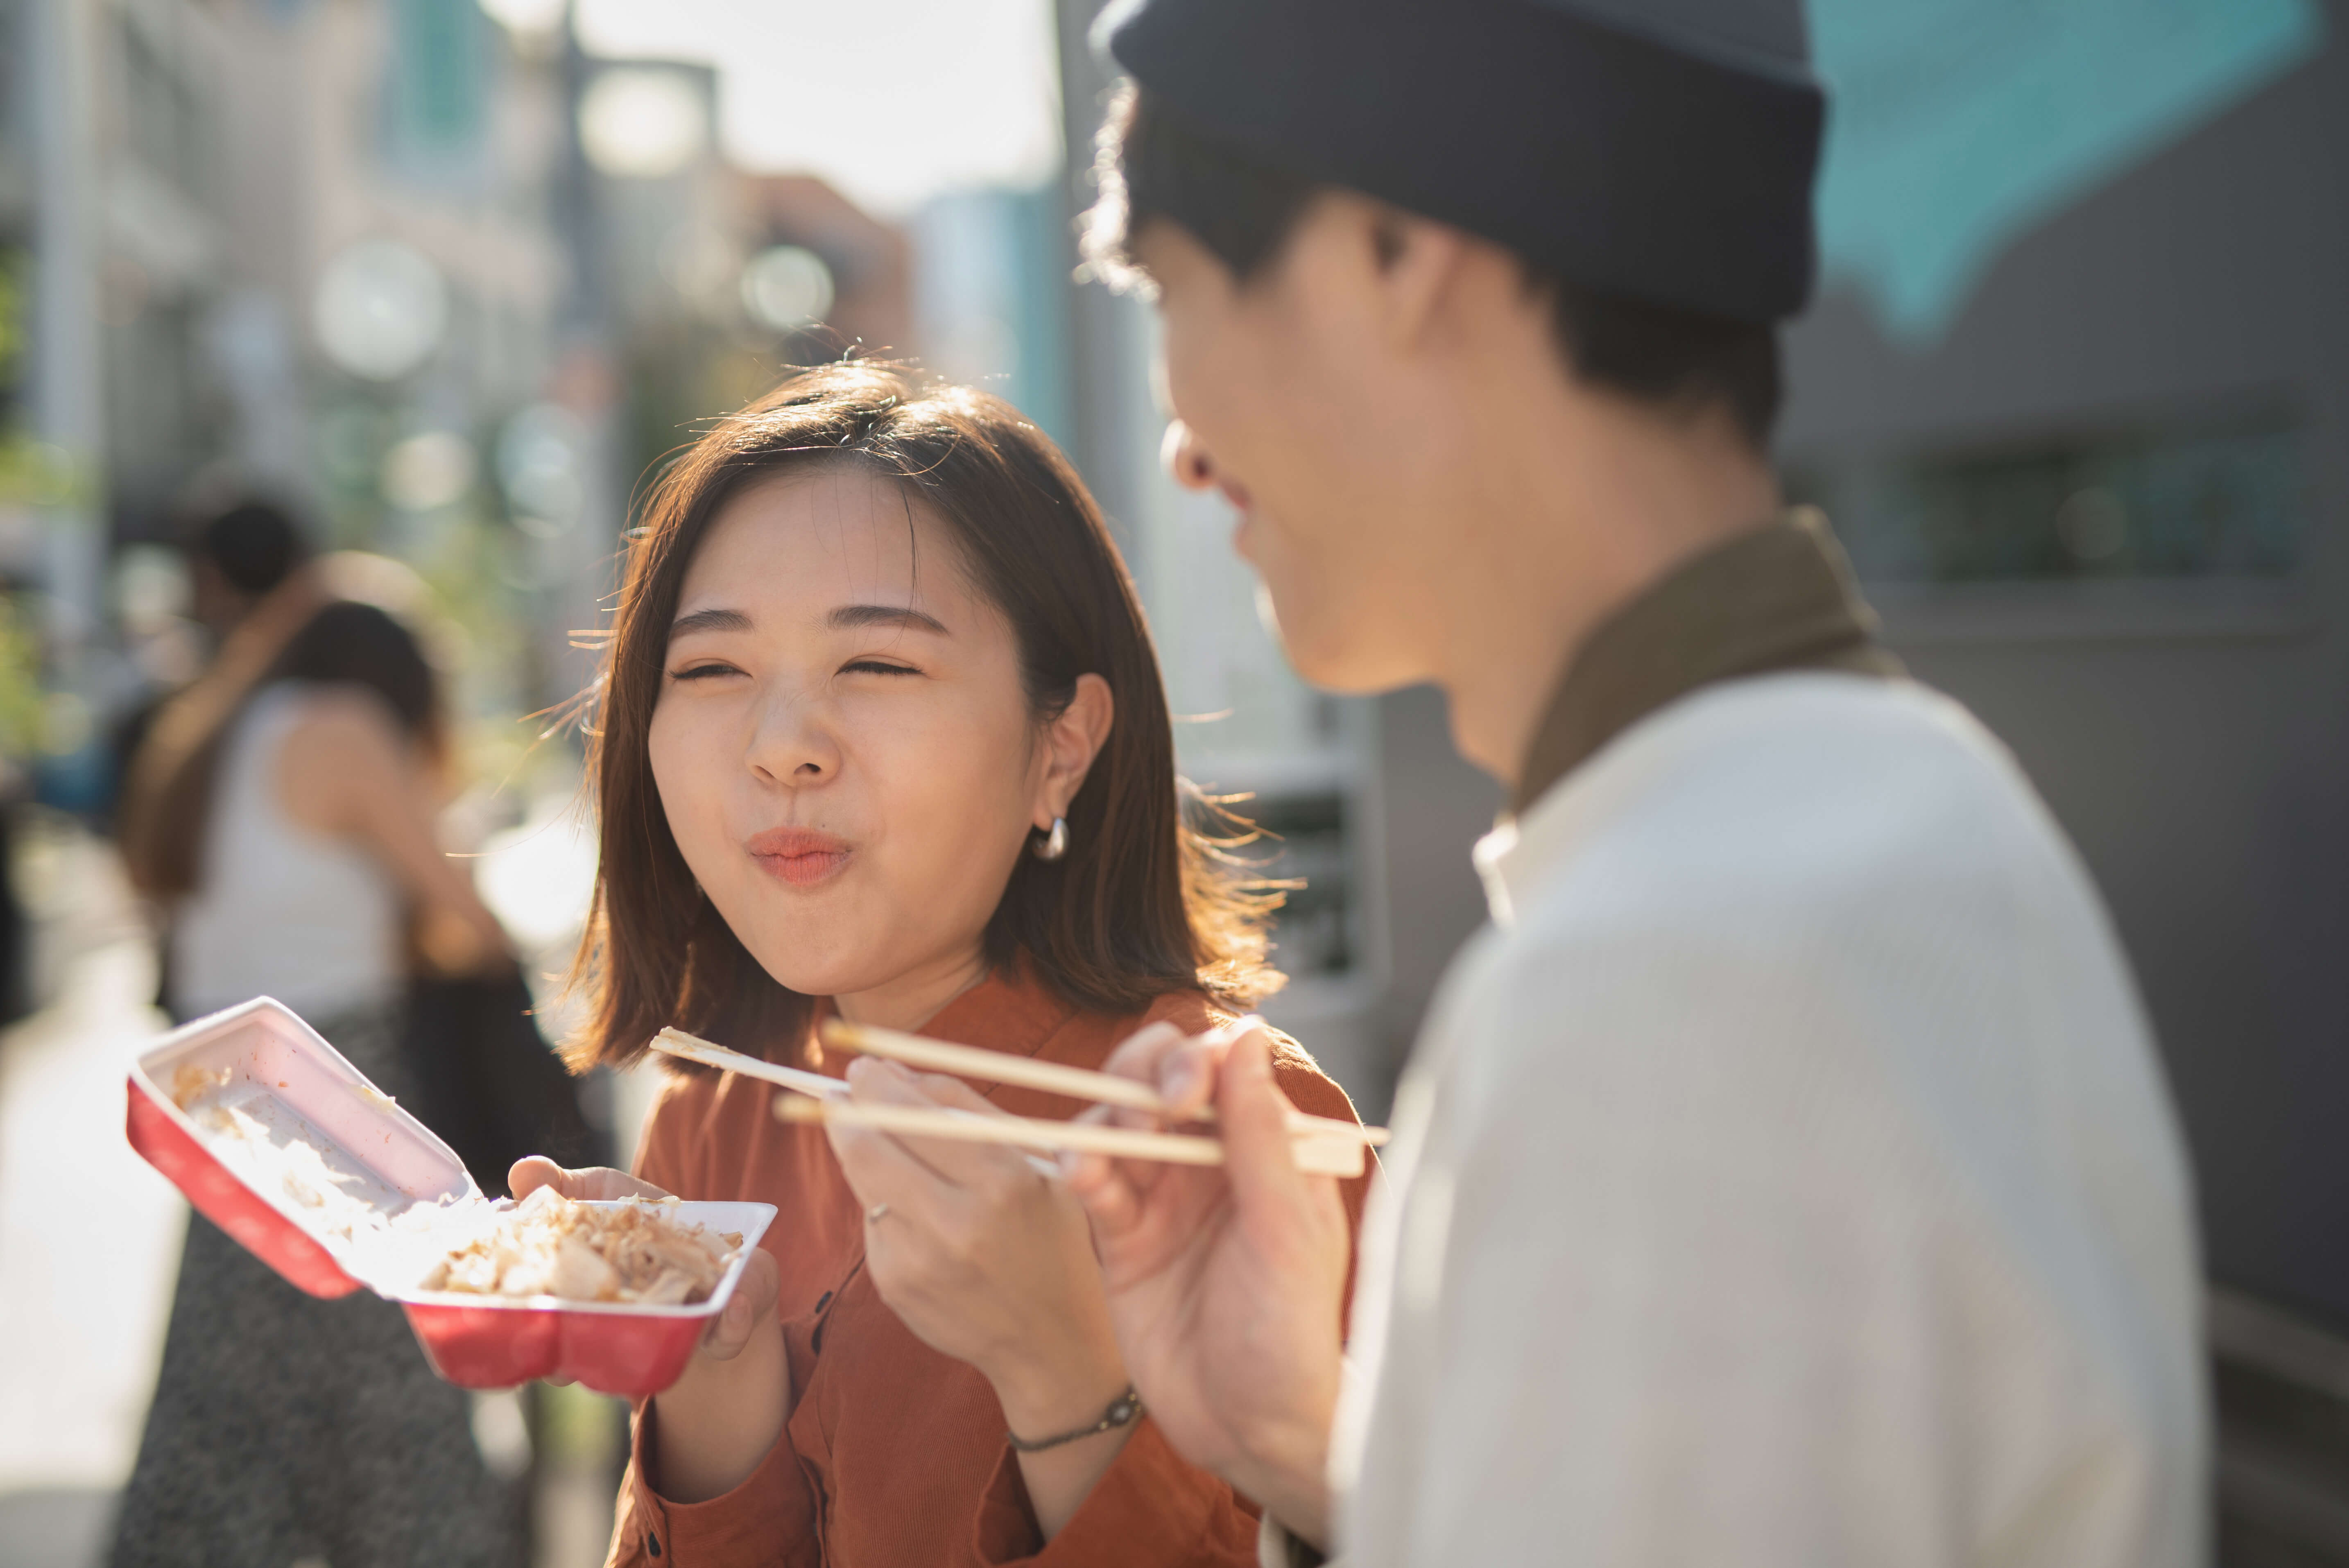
[[1186, 1074], [1180, 1066], [595, 1183], [1137, 1056], [753, 1300], [1259, 1158], [1100, 1187]]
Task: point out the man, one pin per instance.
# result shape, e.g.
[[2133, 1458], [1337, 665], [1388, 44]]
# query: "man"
[[1784, 1177]]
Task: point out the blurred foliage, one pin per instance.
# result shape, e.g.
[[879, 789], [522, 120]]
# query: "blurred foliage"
[[31, 473], [15, 296], [34, 473], [24, 706]]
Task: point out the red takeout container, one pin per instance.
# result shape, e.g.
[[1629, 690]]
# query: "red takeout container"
[[473, 1341]]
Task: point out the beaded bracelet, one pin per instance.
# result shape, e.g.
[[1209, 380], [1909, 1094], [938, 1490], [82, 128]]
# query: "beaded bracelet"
[[1122, 1410]]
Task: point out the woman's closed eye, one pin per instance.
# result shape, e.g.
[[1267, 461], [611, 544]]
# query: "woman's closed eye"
[[703, 671], [876, 667]]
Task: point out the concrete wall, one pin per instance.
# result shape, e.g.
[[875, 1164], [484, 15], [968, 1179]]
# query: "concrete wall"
[[2189, 736]]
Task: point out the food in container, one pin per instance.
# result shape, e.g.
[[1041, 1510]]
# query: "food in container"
[[278, 1140], [548, 1245]]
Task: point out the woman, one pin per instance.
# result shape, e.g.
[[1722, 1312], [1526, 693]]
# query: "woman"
[[882, 733], [289, 843]]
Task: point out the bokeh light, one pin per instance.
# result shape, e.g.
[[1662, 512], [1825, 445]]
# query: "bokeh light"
[[429, 471], [642, 123], [787, 287], [381, 309]]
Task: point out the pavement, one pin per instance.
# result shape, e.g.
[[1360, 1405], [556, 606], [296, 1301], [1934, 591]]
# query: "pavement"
[[89, 1233]]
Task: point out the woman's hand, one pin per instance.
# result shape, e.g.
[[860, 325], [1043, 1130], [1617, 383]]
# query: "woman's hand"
[[719, 1420], [1226, 1281], [983, 1253]]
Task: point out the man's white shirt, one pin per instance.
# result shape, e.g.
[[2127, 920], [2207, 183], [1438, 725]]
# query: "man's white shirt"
[[1784, 1177]]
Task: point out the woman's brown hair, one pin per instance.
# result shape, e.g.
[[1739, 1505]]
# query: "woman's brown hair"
[[1142, 904]]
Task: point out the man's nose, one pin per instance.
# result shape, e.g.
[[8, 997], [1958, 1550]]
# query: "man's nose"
[[1186, 460]]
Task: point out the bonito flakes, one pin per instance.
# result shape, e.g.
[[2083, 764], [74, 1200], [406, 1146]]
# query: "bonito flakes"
[[548, 1245]]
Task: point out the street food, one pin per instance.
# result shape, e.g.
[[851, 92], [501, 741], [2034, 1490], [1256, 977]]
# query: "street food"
[[548, 1245], [634, 1251]]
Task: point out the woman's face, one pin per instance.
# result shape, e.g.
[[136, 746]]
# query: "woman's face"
[[842, 743]]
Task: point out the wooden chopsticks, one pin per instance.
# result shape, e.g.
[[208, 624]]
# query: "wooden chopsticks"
[[1076, 1083], [1318, 1156], [693, 1048], [1323, 1145]]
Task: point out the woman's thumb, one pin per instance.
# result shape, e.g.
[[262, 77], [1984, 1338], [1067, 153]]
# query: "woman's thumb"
[[534, 1172]]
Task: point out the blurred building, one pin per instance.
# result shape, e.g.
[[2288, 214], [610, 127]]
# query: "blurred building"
[[991, 296], [2100, 493], [308, 245], [110, 252], [716, 282], [812, 247]]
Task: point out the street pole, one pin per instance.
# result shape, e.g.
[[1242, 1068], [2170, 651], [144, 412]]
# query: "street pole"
[[585, 380], [68, 401]]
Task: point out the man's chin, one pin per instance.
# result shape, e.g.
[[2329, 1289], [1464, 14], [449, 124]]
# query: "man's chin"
[[1340, 654]]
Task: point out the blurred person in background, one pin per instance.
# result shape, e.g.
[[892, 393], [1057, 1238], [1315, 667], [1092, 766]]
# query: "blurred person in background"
[[251, 586], [289, 843], [1786, 1176], [237, 559], [882, 734]]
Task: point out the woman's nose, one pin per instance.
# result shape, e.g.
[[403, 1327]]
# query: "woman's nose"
[[1186, 460], [794, 745]]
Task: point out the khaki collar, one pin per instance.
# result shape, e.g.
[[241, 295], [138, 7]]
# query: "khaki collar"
[[1780, 597]]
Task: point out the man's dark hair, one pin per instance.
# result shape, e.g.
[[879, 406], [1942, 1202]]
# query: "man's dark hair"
[[255, 544], [1153, 165]]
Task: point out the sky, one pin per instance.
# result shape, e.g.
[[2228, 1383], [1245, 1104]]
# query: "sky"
[[893, 102]]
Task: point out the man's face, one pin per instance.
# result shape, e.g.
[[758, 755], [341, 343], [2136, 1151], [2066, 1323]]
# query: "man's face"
[[1294, 406]]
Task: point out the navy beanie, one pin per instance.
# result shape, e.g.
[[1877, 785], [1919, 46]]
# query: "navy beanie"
[[1659, 149]]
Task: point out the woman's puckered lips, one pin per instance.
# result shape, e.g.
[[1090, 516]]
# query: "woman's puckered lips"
[[799, 856]]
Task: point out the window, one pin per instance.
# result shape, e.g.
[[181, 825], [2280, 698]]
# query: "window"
[[2213, 499]]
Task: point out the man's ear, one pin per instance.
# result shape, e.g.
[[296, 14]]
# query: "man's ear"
[[1072, 741], [1418, 260]]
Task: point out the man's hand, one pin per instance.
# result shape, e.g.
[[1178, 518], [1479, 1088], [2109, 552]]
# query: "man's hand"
[[1225, 1283]]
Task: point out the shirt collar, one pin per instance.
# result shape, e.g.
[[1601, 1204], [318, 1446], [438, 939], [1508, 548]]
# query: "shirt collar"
[[1777, 598], [1010, 1010]]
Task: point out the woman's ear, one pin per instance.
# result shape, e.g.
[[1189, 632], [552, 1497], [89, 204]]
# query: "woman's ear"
[[1072, 741]]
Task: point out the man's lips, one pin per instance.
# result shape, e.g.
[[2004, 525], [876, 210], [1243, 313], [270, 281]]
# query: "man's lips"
[[799, 856]]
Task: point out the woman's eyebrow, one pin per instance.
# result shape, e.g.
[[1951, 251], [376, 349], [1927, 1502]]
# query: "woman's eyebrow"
[[709, 621], [850, 616]]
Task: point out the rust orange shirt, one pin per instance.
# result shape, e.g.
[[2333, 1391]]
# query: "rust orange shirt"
[[893, 1455]]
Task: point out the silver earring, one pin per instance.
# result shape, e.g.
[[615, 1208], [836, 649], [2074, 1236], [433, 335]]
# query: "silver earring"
[[1056, 843]]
